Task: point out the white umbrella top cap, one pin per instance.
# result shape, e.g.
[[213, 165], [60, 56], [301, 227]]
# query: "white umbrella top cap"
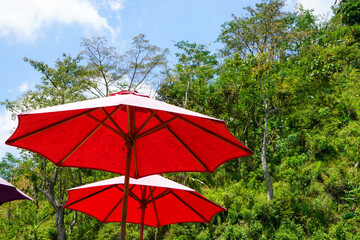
[[121, 98], [124, 92], [152, 180]]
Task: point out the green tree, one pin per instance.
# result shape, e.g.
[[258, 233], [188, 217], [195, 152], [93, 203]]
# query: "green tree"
[[187, 84], [263, 37], [63, 84], [9, 167], [104, 64], [142, 63], [110, 71], [350, 12]]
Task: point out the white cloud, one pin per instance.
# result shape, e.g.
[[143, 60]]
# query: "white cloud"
[[321, 7], [23, 87], [26, 19], [6, 126], [116, 4]]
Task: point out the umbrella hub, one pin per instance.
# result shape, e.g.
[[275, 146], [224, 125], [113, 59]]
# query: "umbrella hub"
[[143, 204], [126, 92], [129, 141]]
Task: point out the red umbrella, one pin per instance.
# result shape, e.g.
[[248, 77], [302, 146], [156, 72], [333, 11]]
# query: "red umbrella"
[[9, 192], [158, 137], [153, 200]]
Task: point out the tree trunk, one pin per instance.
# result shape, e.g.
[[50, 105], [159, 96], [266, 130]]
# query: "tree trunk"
[[269, 187], [186, 94], [59, 222], [9, 213], [50, 196], [72, 223]]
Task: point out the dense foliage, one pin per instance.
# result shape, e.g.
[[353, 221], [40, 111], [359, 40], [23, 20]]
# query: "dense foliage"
[[284, 76]]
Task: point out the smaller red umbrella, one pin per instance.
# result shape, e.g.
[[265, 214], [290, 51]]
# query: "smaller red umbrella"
[[8, 192], [153, 200]]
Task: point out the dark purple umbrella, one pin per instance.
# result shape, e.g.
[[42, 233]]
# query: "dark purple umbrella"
[[10, 193]]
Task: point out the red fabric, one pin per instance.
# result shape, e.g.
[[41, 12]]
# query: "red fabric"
[[101, 199], [74, 137]]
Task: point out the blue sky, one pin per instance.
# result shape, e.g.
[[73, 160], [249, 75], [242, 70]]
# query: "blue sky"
[[44, 29]]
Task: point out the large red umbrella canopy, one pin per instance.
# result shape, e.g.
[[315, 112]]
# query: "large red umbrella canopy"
[[93, 134], [153, 200], [9, 192], [129, 134]]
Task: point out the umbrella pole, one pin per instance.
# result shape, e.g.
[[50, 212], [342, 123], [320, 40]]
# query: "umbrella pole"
[[142, 223], [129, 146], [143, 206]]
